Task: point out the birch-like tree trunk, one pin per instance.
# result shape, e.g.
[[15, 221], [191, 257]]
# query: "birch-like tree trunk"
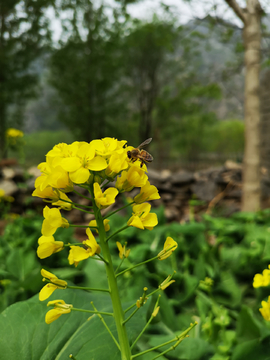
[[251, 18]]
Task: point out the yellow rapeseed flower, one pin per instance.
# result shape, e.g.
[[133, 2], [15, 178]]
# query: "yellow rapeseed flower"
[[117, 163], [262, 279], [54, 196], [48, 246], [142, 218], [78, 253], [49, 288], [60, 308], [105, 199], [148, 192], [265, 310], [134, 177], [53, 220], [123, 253], [169, 246], [14, 133]]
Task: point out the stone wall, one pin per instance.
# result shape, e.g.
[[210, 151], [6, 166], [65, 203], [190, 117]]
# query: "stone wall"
[[214, 189]]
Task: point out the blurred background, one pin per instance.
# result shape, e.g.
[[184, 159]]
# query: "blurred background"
[[173, 70]]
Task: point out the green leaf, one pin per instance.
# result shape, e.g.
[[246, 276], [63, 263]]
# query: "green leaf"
[[24, 334], [251, 350]]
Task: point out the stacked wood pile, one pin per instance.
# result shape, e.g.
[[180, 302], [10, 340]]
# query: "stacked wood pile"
[[215, 189]]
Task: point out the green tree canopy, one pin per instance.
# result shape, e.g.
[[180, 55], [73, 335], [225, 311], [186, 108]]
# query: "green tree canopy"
[[23, 34]]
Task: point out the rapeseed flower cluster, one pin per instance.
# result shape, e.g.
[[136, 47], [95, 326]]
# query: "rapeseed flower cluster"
[[90, 166], [261, 280]]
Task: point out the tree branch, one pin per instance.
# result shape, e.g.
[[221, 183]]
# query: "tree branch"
[[237, 9]]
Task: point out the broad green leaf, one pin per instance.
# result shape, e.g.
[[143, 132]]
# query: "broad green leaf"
[[24, 334], [252, 350]]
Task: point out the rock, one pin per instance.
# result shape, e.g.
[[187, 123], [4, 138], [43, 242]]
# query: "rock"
[[205, 190], [9, 187], [34, 171], [232, 165], [8, 173], [171, 213], [182, 177]]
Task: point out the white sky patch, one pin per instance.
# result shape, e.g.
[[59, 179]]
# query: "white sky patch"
[[183, 10]]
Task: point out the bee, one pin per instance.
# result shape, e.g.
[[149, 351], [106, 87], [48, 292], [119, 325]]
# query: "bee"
[[142, 155]]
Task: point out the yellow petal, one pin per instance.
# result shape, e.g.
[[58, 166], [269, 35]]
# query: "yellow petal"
[[46, 291], [97, 164], [71, 164], [80, 176]]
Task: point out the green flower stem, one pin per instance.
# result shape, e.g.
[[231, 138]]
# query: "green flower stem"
[[101, 258], [171, 348], [144, 262], [88, 212], [73, 203], [114, 292], [123, 207], [146, 326], [117, 232], [88, 288], [93, 312], [133, 267], [79, 226], [81, 195], [181, 336], [106, 326], [106, 183], [130, 316], [121, 262], [130, 307]]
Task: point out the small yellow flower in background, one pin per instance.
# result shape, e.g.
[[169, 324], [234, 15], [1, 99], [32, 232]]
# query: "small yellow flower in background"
[[14, 133], [2, 193], [265, 310], [93, 223], [48, 246], [134, 177], [142, 218], [49, 288], [60, 308], [169, 246], [78, 253], [167, 282], [105, 199], [148, 192], [262, 279], [53, 220], [122, 250]]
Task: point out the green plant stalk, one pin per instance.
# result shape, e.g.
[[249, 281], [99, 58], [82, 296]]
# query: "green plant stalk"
[[121, 208], [106, 326], [87, 288], [114, 293], [183, 335], [146, 326], [92, 311]]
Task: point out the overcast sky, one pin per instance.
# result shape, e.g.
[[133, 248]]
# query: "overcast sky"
[[185, 11]]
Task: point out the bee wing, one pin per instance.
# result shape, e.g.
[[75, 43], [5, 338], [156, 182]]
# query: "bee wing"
[[146, 142]]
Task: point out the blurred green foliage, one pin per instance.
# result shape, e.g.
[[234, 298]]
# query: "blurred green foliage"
[[229, 251]]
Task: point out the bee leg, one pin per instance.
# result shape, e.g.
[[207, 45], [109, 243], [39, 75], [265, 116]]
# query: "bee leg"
[[142, 162]]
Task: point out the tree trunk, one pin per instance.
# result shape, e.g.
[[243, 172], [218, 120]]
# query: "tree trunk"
[[251, 171]]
